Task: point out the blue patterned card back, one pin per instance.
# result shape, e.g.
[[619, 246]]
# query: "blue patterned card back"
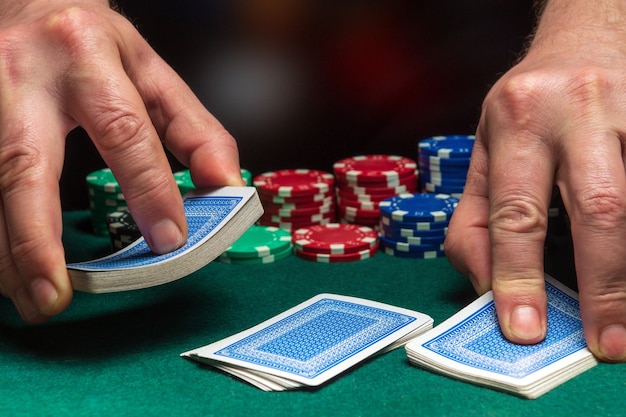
[[316, 338], [204, 215], [478, 342]]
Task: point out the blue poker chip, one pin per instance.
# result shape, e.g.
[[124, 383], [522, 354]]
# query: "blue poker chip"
[[442, 180], [435, 161], [444, 169], [397, 233], [442, 189], [412, 255], [413, 240], [452, 146], [421, 207], [387, 221], [410, 247]]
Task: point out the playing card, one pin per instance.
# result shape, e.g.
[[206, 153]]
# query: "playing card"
[[471, 346], [209, 214], [314, 341]]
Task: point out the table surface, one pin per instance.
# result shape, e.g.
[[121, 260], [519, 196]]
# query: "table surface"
[[118, 354]]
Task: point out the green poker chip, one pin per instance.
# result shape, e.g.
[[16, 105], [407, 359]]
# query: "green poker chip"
[[258, 242], [103, 180], [246, 176], [257, 261], [184, 182]]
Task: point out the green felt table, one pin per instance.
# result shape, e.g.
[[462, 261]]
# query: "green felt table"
[[118, 354]]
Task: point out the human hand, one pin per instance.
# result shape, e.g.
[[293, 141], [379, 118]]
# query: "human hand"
[[78, 62], [555, 118]]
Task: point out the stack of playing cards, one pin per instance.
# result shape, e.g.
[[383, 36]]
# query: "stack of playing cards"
[[470, 346], [313, 342], [216, 218]]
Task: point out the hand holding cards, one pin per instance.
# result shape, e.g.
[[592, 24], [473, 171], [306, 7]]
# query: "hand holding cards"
[[216, 218], [470, 346], [312, 342]]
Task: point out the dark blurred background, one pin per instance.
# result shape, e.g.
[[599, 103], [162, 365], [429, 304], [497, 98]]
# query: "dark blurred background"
[[303, 83]]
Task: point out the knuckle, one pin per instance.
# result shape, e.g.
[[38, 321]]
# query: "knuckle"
[[120, 130], [74, 27], [517, 96], [602, 207], [19, 162], [518, 214]]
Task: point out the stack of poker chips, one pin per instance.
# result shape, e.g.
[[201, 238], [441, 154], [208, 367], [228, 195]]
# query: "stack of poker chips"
[[295, 198], [335, 242], [443, 163], [259, 245], [122, 229], [415, 225], [105, 197], [185, 184], [363, 181]]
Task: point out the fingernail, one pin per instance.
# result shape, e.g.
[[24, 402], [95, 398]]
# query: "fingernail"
[[525, 324], [613, 343], [44, 294], [166, 236], [25, 306]]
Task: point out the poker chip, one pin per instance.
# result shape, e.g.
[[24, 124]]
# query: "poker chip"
[[386, 221], [185, 183], [268, 259], [334, 239], [123, 230], [294, 182], [105, 197], [401, 234], [336, 258], [246, 176], [413, 255], [443, 163], [410, 247], [378, 169], [415, 225], [448, 147], [296, 198], [421, 207], [363, 181], [258, 242]]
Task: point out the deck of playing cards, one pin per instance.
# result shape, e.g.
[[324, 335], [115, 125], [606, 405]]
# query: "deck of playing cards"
[[312, 342], [469, 346], [216, 218]]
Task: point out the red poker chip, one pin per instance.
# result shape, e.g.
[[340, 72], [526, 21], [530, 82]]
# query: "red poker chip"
[[331, 258], [292, 206], [389, 182], [294, 182], [334, 238], [301, 213], [291, 227], [312, 199], [374, 168], [362, 198], [387, 191], [362, 205], [358, 212]]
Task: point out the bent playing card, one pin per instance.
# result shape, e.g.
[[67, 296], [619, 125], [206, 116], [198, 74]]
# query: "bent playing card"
[[312, 342], [470, 346]]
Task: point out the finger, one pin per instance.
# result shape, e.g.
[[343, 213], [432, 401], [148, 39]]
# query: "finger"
[[521, 173], [467, 243], [190, 132], [108, 106], [32, 266], [596, 205]]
